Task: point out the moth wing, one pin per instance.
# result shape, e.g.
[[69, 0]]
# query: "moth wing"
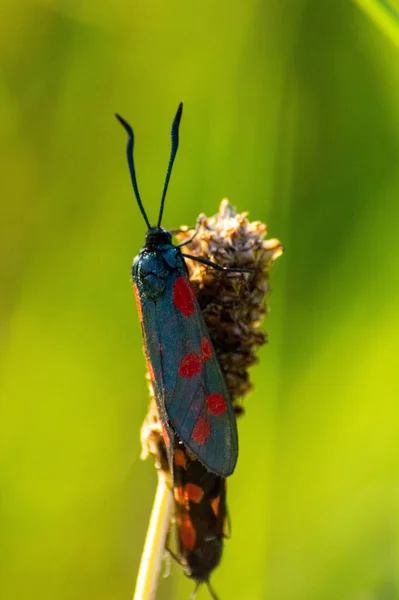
[[147, 309], [192, 391]]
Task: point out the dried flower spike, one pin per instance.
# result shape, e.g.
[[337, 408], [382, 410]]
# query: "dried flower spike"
[[233, 305]]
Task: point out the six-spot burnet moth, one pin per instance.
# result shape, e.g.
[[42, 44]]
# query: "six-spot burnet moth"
[[200, 515], [190, 391]]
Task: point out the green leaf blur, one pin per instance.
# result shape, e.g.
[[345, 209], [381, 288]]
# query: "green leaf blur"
[[292, 112]]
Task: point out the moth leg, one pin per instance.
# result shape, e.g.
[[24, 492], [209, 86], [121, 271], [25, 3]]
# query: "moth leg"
[[167, 555], [196, 230], [205, 261], [172, 554], [227, 533]]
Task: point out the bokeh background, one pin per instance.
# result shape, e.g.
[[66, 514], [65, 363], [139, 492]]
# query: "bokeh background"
[[291, 111]]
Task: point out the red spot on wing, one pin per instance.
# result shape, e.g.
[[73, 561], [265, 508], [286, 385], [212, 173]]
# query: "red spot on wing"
[[190, 365], [183, 296], [206, 347], [179, 495], [201, 431], [215, 505], [138, 302], [216, 404], [180, 459], [193, 493], [187, 532]]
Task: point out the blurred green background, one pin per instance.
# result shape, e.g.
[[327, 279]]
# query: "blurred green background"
[[291, 111]]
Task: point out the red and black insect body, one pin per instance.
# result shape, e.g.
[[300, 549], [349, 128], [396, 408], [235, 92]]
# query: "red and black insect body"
[[200, 500], [189, 387]]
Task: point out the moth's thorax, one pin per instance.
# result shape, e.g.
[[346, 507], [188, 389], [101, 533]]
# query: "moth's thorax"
[[156, 262], [157, 236]]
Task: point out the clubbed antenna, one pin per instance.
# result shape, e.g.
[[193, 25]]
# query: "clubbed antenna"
[[130, 161], [175, 145], [194, 592], [211, 591]]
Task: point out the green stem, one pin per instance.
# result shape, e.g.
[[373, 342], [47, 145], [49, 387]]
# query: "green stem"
[[154, 547]]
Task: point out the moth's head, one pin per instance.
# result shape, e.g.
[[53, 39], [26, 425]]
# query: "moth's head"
[[157, 236], [200, 562]]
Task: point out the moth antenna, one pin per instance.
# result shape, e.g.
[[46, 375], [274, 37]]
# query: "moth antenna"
[[211, 591], [130, 162], [175, 145], [194, 592]]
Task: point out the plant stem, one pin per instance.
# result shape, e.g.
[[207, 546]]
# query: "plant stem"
[[154, 547]]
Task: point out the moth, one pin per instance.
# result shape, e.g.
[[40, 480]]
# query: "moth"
[[189, 387], [200, 517]]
